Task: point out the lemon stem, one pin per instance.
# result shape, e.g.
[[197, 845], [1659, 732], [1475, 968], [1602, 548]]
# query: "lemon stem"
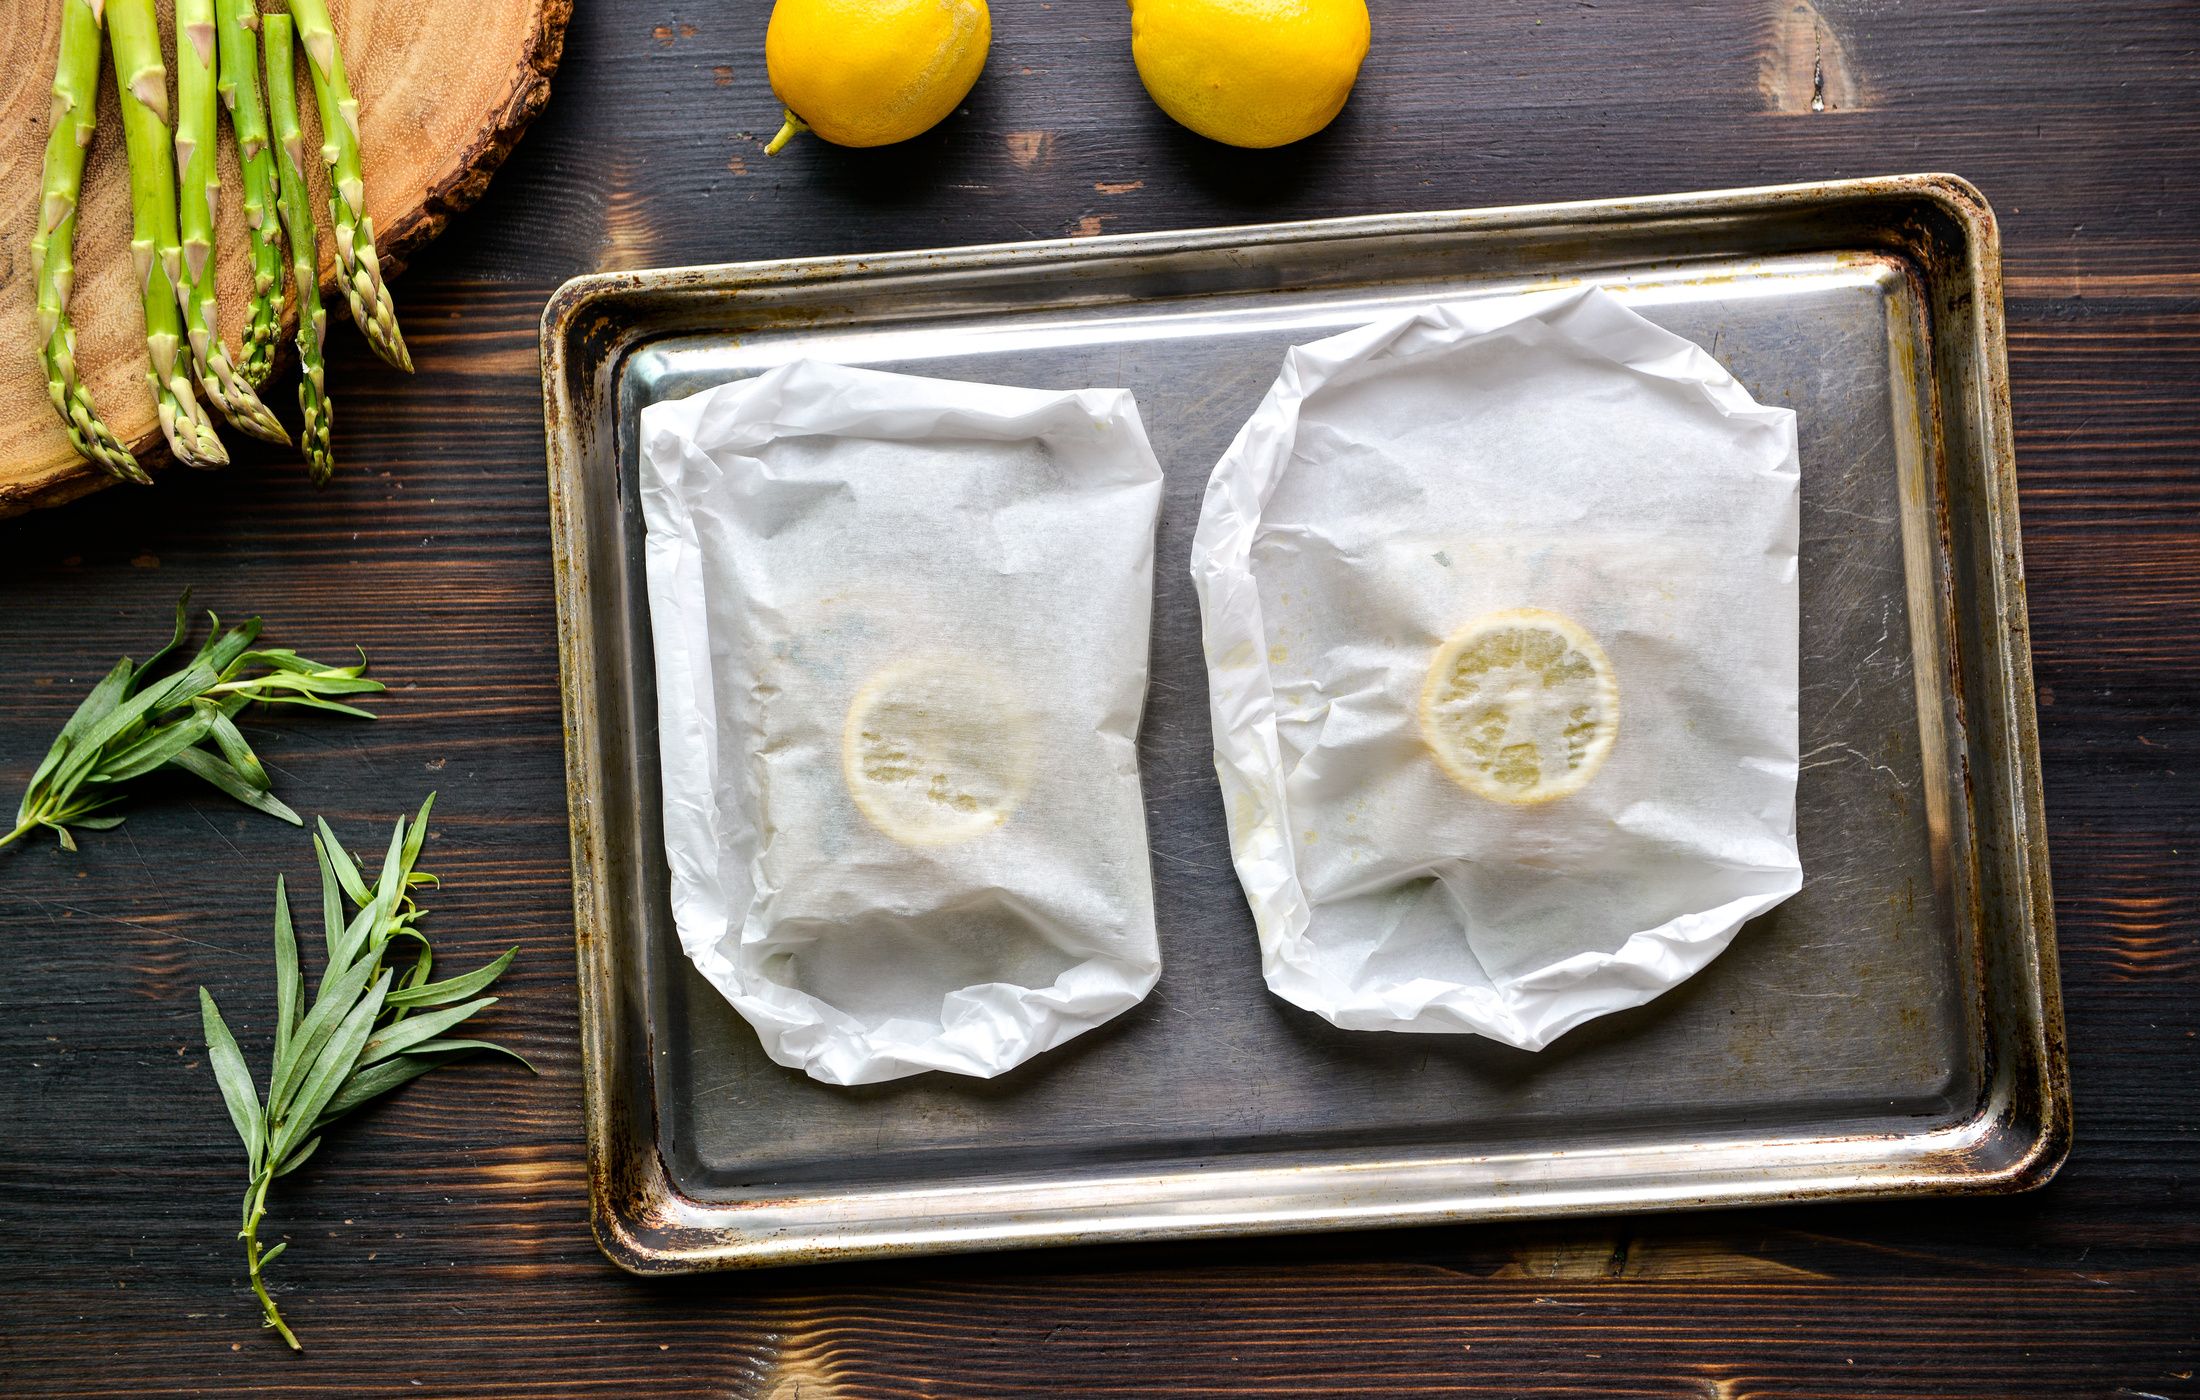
[[795, 127]]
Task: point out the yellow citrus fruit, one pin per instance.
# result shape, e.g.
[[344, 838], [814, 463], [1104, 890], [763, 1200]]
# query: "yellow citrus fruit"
[[873, 72], [1250, 72], [936, 751], [1520, 706]]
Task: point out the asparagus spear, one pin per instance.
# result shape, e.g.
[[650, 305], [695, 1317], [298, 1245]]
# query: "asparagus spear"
[[142, 83], [296, 208], [356, 261], [53, 247], [195, 277], [237, 25]]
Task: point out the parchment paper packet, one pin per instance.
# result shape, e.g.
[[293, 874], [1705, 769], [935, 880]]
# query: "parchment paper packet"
[[1499, 602], [901, 634]]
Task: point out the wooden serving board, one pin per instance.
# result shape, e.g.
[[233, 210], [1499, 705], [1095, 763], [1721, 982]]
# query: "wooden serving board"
[[445, 87]]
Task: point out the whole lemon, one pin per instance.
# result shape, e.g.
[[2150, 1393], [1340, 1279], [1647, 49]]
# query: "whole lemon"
[[1250, 72], [873, 72]]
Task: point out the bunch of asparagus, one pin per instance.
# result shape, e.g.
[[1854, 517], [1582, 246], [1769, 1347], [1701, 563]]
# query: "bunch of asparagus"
[[174, 203]]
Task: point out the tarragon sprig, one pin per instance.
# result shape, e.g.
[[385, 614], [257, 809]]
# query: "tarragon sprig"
[[138, 721], [368, 1031]]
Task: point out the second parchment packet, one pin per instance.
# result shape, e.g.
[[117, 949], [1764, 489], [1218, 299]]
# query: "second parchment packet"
[[1499, 600]]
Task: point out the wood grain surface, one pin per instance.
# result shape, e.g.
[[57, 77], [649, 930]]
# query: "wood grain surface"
[[439, 1244], [445, 88]]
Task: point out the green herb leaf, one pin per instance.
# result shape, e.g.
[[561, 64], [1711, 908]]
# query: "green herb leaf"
[[351, 941], [444, 1047], [418, 836], [281, 659], [289, 984], [102, 701], [235, 1080], [283, 687], [178, 690], [118, 725], [175, 639], [423, 965], [203, 764], [346, 872], [96, 707], [222, 651], [296, 1160], [308, 702], [388, 890], [377, 1080], [453, 988], [230, 740], [426, 951], [332, 896], [427, 1026]]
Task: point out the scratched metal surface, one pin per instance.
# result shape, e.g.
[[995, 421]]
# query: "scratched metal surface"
[[1861, 1012]]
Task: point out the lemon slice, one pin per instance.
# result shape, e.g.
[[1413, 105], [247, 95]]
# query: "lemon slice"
[[936, 751], [1520, 706]]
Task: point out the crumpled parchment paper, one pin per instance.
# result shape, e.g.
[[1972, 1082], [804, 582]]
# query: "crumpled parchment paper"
[[818, 530], [1553, 451]]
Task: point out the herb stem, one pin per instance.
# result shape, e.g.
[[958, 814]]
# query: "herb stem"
[[256, 1200], [30, 825]]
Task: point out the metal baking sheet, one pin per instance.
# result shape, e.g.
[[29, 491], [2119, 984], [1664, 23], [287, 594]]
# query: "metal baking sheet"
[[1893, 1029]]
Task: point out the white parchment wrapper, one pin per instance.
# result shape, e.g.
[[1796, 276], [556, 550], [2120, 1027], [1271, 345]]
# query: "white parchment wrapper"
[[1552, 451], [809, 529]]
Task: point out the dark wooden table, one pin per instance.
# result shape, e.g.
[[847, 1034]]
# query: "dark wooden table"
[[440, 1246]]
